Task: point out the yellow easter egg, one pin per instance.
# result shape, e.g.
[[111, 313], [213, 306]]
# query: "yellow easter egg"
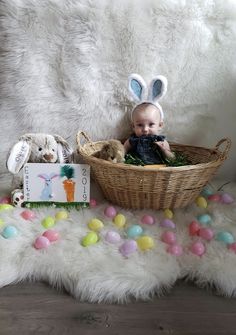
[[119, 220], [168, 213], [201, 202], [62, 215], [145, 242], [95, 224], [4, 207], [89, 239], [48, 222], [1, 222]]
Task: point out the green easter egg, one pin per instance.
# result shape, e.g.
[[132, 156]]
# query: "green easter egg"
[[48, 222], [89, 239], [4, 207], [1, 222]]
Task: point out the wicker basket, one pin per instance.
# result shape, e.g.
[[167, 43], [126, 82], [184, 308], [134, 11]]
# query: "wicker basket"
[[136, 187]]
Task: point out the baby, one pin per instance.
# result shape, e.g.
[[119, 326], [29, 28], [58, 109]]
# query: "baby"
[[147, 121]]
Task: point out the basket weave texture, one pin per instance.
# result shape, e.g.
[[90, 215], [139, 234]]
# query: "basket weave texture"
[[137, 187]]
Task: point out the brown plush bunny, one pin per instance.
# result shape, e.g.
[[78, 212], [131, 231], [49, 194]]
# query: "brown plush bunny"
[[113, 151]]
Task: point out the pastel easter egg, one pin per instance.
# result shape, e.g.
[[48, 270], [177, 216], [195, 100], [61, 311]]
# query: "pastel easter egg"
[[145, 242], [61, 215], [41, 242], [206, 192], [227, 198], [95, 224], [51, 235], [92, 203], [148, 219], [1, 222], [206, 233], [194, 228], [119, 220], [232, 247], [5, 200], [4, 207], [175, 249], [201, 202], [128, 247], [112, 237], [225, 236], [89, 239], [134, 231], [198, 248], [48, 222], [204, 219], [214, 197], [110, 212], [169, 237], [9, 232], [167, 223], [168, 213], [27, 214]]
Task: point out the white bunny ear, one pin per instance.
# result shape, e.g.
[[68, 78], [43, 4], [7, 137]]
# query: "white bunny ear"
[[18, 156], [157, 88], [64, 151], [137, 87]]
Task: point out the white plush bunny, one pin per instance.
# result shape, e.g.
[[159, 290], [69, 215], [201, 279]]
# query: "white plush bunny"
[[35, 148]]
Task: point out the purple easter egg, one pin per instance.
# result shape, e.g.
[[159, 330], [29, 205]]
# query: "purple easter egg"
[[110, 212], [148, 219], [206, 233], [41, 242], [169, 237], [128, 247], [226, 198], [198, 248], [167, 223], [175, 249], [112, 237]]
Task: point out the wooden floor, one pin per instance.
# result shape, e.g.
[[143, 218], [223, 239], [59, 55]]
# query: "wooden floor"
[[38, 309]]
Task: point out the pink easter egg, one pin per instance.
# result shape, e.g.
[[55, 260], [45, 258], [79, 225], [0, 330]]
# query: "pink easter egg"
[[5, 200], [112, 237], [206, 233], [175, 249], [51, 235], [198, 248], [167, 223], [194, 228], [110, 212], [227, 198], [148, 219], [214, 197], [232, 247], [41, 242], [128, 247], [27, 214], [168, 237], [93, 203]]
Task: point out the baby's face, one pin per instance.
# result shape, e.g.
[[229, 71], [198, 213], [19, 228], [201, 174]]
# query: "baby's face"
[[146, 120]]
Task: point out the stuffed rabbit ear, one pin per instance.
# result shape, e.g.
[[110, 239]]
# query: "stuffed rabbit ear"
[[64, 151], [157, 88], [18, 156], [137, 87]]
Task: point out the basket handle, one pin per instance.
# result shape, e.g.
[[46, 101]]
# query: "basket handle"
[[82, 135], [227, 143]]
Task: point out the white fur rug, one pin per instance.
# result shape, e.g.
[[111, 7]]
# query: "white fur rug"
[[100, 272]]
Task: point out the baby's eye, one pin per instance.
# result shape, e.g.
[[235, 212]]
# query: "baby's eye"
[[139, 125], [53, 149], [151, 124], [40, 149]]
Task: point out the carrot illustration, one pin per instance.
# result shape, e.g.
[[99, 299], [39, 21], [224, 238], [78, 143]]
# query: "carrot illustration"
[[68, 184]]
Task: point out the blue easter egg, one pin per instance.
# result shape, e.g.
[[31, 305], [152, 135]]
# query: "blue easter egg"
[[225, 236], [134, 231], [204, 219], [9, 232]]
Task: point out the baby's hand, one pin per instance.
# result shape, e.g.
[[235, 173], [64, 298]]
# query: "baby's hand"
[[165, 148]]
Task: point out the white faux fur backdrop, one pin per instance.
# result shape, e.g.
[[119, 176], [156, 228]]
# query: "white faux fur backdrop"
[[64, 66]]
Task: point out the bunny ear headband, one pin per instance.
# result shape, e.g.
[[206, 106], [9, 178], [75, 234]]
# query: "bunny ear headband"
[[141, 93]]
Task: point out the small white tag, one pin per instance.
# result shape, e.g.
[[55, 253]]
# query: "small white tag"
[[64, 154], [18, 156]]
